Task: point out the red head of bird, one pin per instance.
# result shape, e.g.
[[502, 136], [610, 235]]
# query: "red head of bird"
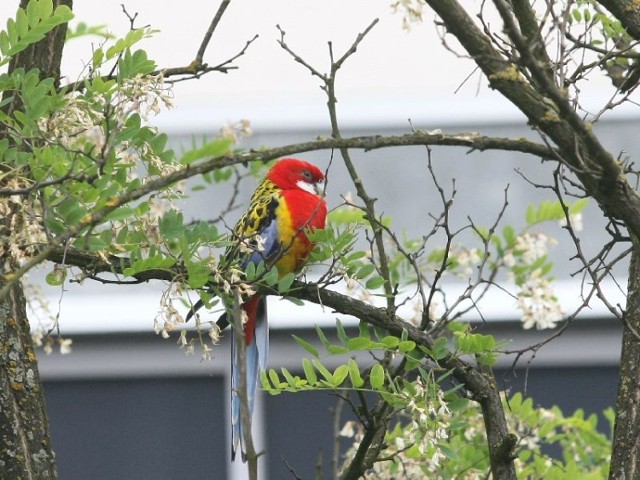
[[291, 173]]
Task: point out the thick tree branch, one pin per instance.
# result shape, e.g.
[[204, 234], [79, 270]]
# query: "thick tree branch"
[[472, 141], [627, 12], [549, 111]]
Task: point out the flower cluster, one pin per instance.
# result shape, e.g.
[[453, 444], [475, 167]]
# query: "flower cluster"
[[21, 228], [575, 219], [414, 446], [411, 11], [530, 247], [535, 298], [75, 123], [169, 319], [144, 94], [538, 304], [466, 259], [237, 131], [230, 282]]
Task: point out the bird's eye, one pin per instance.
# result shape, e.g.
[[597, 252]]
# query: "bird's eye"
[[306, 174]]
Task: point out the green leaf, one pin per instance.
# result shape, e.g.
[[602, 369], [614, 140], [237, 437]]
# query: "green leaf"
[[342, 335], [295, 301], [266, 385], [531, 215], [323, 370], [214, 149], [448, 452], [364, 329], [132, 64], [487, 358], [376, 377], [171, 224], [390, 342], [354, 374], [340, 374], [323, 338], [120, 213], [22, 23], [131, 38], [374, 283], [31, 26], [285, 282], [151, 263], [365, 271], [275, 379], [45, 8], [509, 234], [289, 378], [440, 348], [407, 346], [578, 206], [306, 345], [346, 215], [271, 277], [57, 276], [198, 274], [309, 372], [360, 343], [577, 14], [337, 349]]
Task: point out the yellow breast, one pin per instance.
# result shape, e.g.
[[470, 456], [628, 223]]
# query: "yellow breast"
[[295, 246]]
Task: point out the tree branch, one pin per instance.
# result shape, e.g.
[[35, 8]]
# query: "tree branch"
[[207, 36], [627, 12], [549, 111], [481, 385]]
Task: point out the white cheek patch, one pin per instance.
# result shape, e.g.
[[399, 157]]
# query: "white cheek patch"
[[306, 186]]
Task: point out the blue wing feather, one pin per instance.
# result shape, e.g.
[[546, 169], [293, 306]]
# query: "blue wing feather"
[[271, 248]]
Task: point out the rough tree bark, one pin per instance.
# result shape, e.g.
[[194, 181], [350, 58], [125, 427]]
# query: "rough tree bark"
[[25, 442], [625, 457]]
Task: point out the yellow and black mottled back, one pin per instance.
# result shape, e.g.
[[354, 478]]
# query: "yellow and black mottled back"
[[260, 210], [258, 216]]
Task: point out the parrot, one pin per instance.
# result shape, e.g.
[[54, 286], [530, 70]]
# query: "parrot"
[[285, 204]]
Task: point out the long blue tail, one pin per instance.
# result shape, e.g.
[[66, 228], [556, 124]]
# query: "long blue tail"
[[257, 349]]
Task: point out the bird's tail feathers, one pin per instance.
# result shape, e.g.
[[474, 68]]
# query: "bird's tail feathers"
[[257, 344]]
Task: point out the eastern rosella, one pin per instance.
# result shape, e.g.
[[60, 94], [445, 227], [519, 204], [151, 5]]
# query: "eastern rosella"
[[286, 203]]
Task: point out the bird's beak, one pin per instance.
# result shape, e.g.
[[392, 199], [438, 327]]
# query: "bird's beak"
[[319, 188]]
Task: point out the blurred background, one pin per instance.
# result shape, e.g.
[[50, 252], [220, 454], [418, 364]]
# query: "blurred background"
[[128, 404]]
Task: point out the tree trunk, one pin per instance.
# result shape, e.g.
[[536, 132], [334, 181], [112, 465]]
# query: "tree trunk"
[[25, 443], [625, 457]]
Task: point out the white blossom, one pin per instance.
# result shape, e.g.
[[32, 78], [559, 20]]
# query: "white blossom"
[[65, 345], [539, 305], [411, 11], [467, 260], [509, 259], [237, 131], [348, 431], [532, 246], [429, 419], [576, 221]]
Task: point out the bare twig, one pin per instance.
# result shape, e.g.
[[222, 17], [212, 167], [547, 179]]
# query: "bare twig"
[[214, 24]]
